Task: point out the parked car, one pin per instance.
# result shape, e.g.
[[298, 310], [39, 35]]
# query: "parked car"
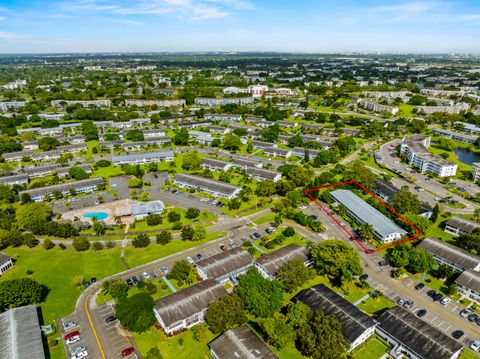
[[79, 349], [223, 248], [257, 235], [199, 256], [127, 352], [421, 313], [129, 282], [445, 301], [431, 293], [93, 279], [72, 334], [419, 286], [270, 230], [110, 319], [252, 237], [80, 355], [437, 297], [165, 269], [401, 301], [135, 280], [70, 325], [408, 304], [465, 313], [146, 275], [472, 317], [457, 334], [475, 345], [363, 276], [383, 263], [73, 339]]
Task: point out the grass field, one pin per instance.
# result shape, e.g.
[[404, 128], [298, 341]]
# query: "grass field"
[[406, 110], [373, 348], [375, 306], [468, 354]]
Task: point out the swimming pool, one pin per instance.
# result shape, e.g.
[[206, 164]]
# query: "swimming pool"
[[100, 216]]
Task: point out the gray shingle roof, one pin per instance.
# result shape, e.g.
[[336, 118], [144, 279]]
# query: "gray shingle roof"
[[191, 300], [385, 188], [417, 335], [225, 262], [381, 224], [64, 186], [463, 224], [4, 258], [273, 261], [450, 252], [208, 183], [20, 335], [240, 343], [354, 321], [143, 155], [469, 279]]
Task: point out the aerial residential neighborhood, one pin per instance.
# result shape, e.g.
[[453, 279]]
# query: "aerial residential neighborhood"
[[239, 179]]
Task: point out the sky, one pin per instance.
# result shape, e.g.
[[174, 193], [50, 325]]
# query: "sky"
[[315, 26]]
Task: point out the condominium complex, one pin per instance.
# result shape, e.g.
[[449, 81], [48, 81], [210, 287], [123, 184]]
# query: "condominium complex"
[[96, 103], [158, 103], [224, 101], [415, 148]]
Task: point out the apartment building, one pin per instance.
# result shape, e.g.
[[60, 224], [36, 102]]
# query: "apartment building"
[[96, 103], [457, 136], [11, 105], [376, 107], [145, 157], [415, 149], [158, 103], [203, 184], [224, 101]]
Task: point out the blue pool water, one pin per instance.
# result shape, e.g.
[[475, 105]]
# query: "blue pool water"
[[100, 216]]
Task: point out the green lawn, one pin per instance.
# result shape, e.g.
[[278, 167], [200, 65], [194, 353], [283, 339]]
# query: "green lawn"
[[268, 218], [376, 306], [373, 348], [170, 348], [61, 271], [468, 354], [406, 110]]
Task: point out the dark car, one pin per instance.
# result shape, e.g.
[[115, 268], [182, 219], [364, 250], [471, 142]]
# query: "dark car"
[[71, 335], [223, 248], [129, 282], [419, 286], [110, 319], [437, 297], [457, 334], [472, 317], [199, 256], [408, 304], [257, 235], [478, 321], [383, 263], [431, 293], [363, 277], [93, 280], [135, 280], [421, 313]]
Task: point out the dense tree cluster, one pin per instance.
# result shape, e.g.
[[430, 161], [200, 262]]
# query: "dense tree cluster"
[[22, 291]]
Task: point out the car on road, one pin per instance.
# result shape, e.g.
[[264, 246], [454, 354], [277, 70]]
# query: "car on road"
[[475, 345], [80, 355], [472, 317], [146, 275], [419, 286], [127, 352], [70, 325], [445, 301], [383, 263], [457, 334], [73, 339], [110, 319], [72, 334], [408, 304], [79, 349], [465, 313]]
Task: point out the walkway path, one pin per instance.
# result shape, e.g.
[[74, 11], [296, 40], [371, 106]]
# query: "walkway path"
[[170, 285]]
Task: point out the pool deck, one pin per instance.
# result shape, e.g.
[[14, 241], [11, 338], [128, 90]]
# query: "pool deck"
[[117, 208]]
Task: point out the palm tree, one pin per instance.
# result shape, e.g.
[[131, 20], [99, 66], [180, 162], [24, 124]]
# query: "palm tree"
[[366, 232]]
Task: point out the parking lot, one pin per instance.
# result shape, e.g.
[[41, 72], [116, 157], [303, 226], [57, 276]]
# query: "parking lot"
[[81, 202], [77, 345]]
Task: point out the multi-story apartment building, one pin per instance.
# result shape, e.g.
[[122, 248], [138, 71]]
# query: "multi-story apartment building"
[[158, 103], [96, 103], [415, 149], [224, 101]]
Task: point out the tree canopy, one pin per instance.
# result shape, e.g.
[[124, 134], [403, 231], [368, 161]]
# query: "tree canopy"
[[21, 291], [136, 312], [225, 313]]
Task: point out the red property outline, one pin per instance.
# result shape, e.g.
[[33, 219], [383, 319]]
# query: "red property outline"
[[368, 251]]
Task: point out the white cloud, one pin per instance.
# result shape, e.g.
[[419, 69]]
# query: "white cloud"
[[10, 36]]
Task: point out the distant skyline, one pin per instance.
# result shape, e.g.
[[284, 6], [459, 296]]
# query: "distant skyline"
[[433, 26]]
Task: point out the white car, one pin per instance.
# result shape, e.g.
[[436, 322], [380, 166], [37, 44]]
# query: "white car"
[[190, 260], [146, 275], [445, 301], [70, 325], [475, 345], [80, 355], [72, 340], [79, 349]]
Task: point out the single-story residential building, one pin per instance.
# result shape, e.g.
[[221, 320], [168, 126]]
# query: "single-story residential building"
[[384, 228], [411, 336], [15, 179], [6, 263], [16, 156], [214, 187], [46, 156], [74, 148], [448, 254], [277, 152], [225, 265], [269, 264], [261, 174], [215, 165], [303, 152], [245, 164], [82, 186], [141, 210], [155, 132], [222, 117], [187, 307], [20, 335], [357, 326], [261, 145], [203, 138], [458, 226], [144, 157], [240, 343], [468, 285], [219, 129]]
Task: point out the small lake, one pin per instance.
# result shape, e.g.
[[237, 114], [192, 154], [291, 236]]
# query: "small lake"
[[466, 156]]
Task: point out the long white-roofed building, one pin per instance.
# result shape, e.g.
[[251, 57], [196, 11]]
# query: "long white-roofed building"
[[203, 184], [384, 228]]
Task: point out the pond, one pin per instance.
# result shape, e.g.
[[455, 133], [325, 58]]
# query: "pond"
[[466, 156]]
